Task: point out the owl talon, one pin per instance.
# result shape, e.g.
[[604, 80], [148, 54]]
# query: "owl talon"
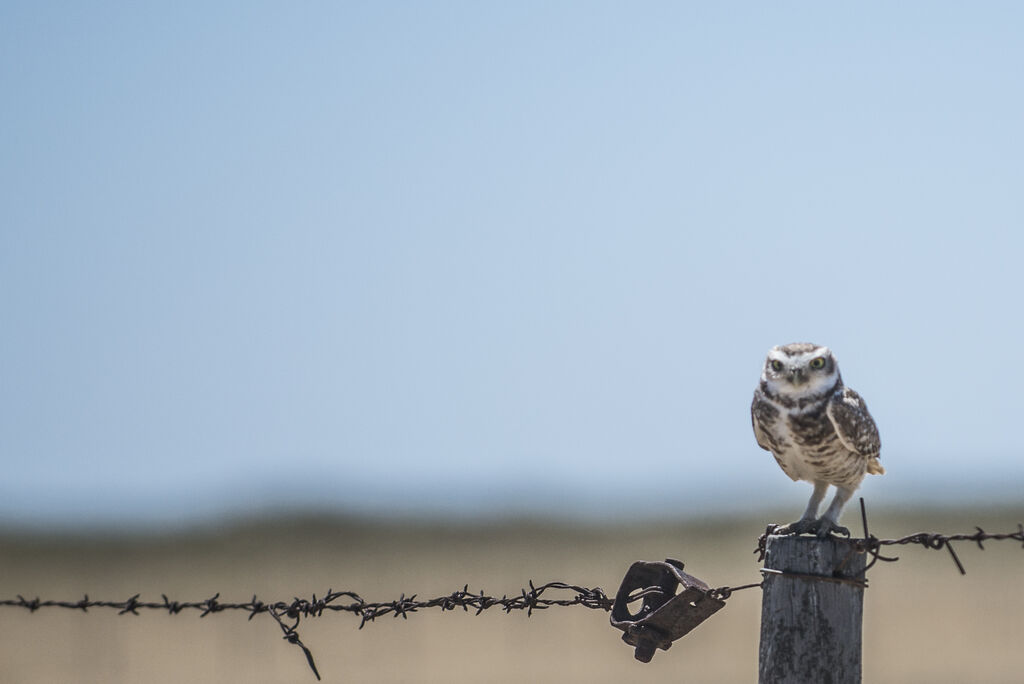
[[825, 527], [821, 528], [799, 527]]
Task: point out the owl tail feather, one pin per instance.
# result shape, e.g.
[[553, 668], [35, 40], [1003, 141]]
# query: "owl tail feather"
[[874, 467]]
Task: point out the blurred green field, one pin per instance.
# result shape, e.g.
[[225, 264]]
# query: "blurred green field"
[[923, 621]]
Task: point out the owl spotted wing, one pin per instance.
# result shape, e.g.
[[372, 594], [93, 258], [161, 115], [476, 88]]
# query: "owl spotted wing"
[[854, 425], [762, 412]]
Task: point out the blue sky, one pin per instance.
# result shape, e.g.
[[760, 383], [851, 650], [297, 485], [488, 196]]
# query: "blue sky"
[[492, 256]]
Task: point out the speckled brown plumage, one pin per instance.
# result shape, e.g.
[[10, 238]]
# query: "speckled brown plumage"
[[817, 429]]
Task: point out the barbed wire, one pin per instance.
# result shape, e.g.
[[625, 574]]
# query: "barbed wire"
[[872, 545], [289, 614]]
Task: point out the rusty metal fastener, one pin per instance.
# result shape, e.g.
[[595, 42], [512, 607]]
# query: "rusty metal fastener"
[[665, 615]]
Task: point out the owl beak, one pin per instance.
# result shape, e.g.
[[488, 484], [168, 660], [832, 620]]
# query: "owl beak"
[[796, 376]]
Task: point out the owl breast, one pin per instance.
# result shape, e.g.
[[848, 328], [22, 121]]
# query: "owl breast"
[[805, 444]]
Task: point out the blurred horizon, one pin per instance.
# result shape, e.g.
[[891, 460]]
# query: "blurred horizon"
[[545, 503], [471, 259]]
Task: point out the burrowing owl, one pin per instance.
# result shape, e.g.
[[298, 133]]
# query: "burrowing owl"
[[818, 429]]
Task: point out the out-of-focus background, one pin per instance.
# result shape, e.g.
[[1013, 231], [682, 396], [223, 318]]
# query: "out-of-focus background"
[[393, 298]]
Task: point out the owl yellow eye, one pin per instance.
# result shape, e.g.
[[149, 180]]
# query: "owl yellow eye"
[[776, 365], [818, 363]]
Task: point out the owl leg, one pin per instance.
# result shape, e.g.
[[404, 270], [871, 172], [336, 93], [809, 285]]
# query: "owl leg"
[[807, 522], [817, 496], [829, 522]]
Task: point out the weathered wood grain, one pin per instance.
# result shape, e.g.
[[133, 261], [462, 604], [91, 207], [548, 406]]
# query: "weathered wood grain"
[[811, 629]]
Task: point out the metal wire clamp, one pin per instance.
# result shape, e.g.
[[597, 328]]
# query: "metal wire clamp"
[[664, 615]]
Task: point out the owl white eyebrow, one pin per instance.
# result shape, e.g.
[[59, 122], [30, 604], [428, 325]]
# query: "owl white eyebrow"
[[805, 357], [810, 356]]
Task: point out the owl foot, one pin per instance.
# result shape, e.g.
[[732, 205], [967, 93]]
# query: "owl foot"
[[801, 526], [827, 527], [821, 528]]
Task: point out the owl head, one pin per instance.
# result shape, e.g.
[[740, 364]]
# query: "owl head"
[[800, 369]]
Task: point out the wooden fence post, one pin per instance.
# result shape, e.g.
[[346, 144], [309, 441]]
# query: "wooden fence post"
[[811, 616]]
